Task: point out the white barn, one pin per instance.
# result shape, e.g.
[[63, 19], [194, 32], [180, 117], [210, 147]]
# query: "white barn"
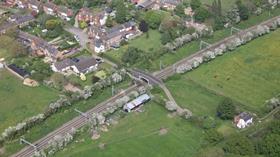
[[136, 102]]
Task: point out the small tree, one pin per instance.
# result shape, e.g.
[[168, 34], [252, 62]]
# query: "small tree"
[[226, 110], [180, 10], [195, 4], [143, 26], [213, 136], [239, 145], [201, 14]]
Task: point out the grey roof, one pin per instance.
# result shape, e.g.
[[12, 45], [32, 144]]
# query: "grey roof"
[[173, 2], [116, 31], [146, 4], [82, 63], [245, 116], [20, 19], [63, 64]]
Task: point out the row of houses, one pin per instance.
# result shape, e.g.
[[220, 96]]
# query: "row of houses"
[[48, 7], [105, 39], [16, 20], [157, 4]]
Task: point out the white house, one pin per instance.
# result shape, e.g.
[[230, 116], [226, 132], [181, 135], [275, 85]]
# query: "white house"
[[136, 102], [243, 120]]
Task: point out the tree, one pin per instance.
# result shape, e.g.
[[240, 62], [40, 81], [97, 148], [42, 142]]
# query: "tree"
[[121, 12], [213, 136], [201, 14], [109, 22], [143, 26], [274, 127], [58, 79], [83, 24], [270, 146], [239, 145], [153, 18], [243, 10], [52, 24], [131, 55], [195, 4], [180, 10], [165, 38], [226, 110]]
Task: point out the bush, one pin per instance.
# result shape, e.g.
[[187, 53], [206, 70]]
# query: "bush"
[[226, 110], [213, 136], [239, 145]]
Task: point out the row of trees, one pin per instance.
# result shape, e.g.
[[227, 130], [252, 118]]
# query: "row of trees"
[[228, 46]]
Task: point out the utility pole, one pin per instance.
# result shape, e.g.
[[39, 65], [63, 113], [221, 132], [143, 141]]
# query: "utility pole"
[[160, 65], [22, 141], [113, 90]]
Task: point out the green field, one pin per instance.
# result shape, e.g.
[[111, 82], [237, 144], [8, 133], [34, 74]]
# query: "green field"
[[18, 102], [137, 135], [249, 75]]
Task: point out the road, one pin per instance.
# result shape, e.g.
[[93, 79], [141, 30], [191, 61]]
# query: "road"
[[77, 123], [156, 78]]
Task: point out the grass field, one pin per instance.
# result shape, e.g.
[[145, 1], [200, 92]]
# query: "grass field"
[[249, 75], [18, 102], [137, 135]]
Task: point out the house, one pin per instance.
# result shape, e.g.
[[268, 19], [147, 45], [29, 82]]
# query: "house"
[[21, 20], [85, 14], [136, 102], [64, 13], [34, 5], [50, 8], [97, 18], [80, 65], [105, 39], [39, 46], [145, 4], [169, 4], [243, 120], [20, 72]]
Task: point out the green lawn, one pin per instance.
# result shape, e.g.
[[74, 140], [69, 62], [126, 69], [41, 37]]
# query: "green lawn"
[[137, 135], [60, 118], [152, 43], [249, 75], [18, 102]]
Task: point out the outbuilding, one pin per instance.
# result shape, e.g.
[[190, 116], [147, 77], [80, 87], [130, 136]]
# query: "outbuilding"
[[243, 120], [136, 102]]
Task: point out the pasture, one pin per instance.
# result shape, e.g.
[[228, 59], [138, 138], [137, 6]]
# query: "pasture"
[[138, 135], [18, 102], [249, 75]]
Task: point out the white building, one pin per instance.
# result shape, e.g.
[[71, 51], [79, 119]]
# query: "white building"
[[243, 120], [136, 102]]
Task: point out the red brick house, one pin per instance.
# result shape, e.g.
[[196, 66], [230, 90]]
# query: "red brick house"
[[50, 8], [64, 13]]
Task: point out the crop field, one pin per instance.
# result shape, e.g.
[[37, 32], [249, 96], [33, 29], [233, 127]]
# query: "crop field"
[[138, 135], [18, 102], [249, 75]]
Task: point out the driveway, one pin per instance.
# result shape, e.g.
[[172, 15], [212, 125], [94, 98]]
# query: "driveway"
[[82, 35]]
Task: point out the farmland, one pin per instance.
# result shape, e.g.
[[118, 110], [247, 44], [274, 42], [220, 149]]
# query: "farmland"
[[142, 131], [18, 102], [249, 75]]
